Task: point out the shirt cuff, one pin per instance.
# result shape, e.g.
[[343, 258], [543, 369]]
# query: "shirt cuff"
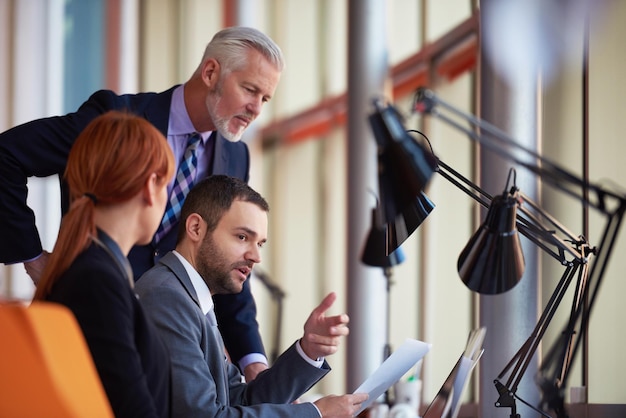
[[316, 363], [248, 359], [25, 261], [317, 409]]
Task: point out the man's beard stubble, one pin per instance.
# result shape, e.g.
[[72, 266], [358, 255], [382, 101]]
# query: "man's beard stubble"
[[214, 269]]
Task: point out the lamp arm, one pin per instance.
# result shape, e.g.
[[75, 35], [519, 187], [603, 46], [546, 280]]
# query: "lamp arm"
[[529, 223], [496, 140], [560, 355], [278, 295], [464, 184], [275, 290], [521, 360], [550, 234]]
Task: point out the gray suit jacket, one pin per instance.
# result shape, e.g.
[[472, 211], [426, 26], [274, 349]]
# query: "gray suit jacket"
[[204, 384]]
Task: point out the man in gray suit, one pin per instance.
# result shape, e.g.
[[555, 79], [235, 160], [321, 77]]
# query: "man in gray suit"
[[222, 229]]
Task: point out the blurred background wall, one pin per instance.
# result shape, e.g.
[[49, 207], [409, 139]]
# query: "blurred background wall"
[[55, 53]]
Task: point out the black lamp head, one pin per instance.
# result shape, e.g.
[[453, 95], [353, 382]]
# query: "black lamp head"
[[408, 221], [492, 262], [376, 252], [404, 165]]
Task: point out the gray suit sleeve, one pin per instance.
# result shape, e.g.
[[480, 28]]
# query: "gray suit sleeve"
[[290, 367]]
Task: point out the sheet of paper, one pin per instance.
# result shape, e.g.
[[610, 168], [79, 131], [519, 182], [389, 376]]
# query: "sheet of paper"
[[392, 369]]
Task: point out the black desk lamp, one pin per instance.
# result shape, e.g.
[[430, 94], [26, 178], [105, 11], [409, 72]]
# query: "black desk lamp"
[[405, 167]]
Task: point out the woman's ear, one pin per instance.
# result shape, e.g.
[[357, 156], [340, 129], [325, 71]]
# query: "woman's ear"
[[150, 189]]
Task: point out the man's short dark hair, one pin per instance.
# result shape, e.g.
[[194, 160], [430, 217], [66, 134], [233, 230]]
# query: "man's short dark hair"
[[213, 196]]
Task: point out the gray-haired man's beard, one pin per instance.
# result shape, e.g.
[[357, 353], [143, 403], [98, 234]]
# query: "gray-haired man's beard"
[[222, 128], [221, 123]]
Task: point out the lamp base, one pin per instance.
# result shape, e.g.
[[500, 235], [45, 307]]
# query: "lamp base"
[[506, 399]]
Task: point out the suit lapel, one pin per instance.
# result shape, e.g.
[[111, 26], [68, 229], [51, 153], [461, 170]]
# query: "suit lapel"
[[171, 261], [220, 156]]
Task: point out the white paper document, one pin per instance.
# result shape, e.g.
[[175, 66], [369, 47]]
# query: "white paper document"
[[392, 369]]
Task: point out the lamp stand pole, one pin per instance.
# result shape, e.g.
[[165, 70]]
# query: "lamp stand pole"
[[279, 324], [277, 294], [387, 350], [387, 271]]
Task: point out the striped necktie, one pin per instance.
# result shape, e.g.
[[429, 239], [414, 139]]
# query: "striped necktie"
[[182, 184]]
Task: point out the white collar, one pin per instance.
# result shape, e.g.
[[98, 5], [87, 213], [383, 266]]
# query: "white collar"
[[201, 288]]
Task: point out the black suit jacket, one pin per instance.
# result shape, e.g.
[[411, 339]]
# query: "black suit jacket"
[[40, 148], [131, 359]]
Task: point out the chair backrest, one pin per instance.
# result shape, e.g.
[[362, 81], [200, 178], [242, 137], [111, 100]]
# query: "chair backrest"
[[46, 369]]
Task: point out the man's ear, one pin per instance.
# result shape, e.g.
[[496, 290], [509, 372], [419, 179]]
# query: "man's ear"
[[195, 227], [210, 72]]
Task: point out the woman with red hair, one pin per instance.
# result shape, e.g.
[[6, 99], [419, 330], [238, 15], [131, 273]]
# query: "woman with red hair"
[[117, 172]]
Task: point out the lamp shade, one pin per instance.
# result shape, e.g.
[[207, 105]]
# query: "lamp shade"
[[492, 262], [375, 250], [404, 165], [408, 221]]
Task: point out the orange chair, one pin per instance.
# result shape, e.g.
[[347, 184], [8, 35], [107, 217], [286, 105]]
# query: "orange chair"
[[46, 369]]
